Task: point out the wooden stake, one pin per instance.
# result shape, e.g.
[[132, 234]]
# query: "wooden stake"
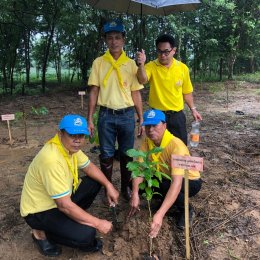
[[186, 206], [81, 102], [9, 131], [25, 125], [7, 118], [82, 93]]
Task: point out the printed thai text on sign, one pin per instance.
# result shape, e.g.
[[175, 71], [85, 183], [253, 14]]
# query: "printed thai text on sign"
[[7, 117], [187, 162]]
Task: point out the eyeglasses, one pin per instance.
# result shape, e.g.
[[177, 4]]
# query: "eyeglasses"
[[165, 52]]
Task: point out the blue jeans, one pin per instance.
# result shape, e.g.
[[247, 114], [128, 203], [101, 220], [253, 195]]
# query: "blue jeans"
[[115, 125]]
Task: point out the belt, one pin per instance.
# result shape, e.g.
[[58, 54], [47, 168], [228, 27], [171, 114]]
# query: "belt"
[[169, 112], [116, 111]]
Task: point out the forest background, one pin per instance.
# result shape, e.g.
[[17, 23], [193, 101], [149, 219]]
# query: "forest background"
[[56, 41]]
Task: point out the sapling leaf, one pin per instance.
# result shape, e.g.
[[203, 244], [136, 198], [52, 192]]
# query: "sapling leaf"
[[135, 153], [158, 175], [165, 175], [154, 150], [155, 183], [148, 191], [133, 166], [142, 185], [136, 174], [150, 183]]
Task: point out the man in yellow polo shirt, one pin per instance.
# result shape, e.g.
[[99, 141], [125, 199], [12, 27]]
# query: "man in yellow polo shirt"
[[54, 199], [115, 88], [170, 85], [172, 191]]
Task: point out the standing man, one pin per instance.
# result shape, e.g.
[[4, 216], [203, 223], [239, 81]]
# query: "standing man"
[[115, 88], [54, 199], [172, 191], [170, 85]]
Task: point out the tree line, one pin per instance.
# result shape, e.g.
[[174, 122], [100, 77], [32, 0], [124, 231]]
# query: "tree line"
[[220, 38]]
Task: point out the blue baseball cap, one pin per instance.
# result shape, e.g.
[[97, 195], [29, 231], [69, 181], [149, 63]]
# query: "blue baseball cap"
[[153, 117], [74, 124], [114, 26]]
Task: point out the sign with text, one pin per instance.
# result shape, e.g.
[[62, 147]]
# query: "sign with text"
[[82, 93], [187, 162], [7, 117]]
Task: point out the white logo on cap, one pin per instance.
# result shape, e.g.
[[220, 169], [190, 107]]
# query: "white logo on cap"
[[151, 114], [78, 122], [113, 24]]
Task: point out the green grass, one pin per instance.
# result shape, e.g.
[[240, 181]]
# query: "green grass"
[[250, 77]]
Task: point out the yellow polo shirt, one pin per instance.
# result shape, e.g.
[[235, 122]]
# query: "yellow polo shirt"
[[167, 85], [112, 96], [176, 147], [47, 179]]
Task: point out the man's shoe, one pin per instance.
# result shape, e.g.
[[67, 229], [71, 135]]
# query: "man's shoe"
[[181, 220], [46, 247], [98, 245]]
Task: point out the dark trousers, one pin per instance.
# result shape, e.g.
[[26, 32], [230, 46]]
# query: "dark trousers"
[[176, 124], [63, 230], [194, 188]]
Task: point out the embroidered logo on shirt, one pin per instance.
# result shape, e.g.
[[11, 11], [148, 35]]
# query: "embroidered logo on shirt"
[[151, 114], [178, 83], [78, 122]]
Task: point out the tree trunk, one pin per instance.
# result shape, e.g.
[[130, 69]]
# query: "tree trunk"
[[231, 61], [220, 69], [27, 55], [46, 56]]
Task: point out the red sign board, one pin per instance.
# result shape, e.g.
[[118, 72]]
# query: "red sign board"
[[187, 162], [7, 117]]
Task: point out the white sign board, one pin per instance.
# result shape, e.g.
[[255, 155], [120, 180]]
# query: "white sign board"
[[187, 162], [82, 93], [7, 117]]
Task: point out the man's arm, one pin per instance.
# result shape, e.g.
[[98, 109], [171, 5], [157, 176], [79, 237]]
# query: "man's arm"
[[73, 211], [169, 199], [93, 96], [141, 73], [189, 101], [137, 98], [94, 173]]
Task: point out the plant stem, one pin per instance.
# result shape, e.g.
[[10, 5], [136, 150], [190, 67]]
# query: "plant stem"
[[150, 220]]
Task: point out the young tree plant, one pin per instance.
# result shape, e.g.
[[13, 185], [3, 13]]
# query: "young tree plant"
[[149, 170]]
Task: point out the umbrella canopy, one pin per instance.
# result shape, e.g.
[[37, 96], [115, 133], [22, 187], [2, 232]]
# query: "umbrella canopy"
[[150, 7]]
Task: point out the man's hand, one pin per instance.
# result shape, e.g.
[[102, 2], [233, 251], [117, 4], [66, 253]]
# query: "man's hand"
[[141, 128], [134, 204], [196, 114], [156, 225], [104, 226], [112, 195], [91, 128], [140, 57]]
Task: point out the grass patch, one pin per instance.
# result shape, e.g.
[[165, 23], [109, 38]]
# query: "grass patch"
[[250, 77]]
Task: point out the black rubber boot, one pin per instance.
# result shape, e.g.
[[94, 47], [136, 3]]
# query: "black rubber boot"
[[106, 166], [125, 177]]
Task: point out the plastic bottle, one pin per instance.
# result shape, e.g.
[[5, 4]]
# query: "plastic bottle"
[[195, 134]]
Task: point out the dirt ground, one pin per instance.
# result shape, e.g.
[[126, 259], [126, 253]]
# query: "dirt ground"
[[227, 221]]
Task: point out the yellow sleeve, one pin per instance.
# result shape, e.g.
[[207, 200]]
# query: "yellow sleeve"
[[82, 160], [94, 74], [187, 86]]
